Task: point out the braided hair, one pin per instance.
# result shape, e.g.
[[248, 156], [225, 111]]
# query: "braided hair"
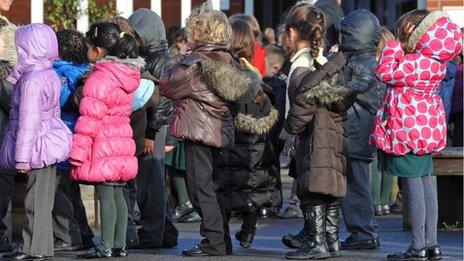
[[309, 22]]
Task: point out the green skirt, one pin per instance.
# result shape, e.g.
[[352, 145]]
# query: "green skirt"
[[176, 158], [407, 166]]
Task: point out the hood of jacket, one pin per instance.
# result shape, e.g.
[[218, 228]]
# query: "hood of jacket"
[[359, 32], [333, 13], [150, 28], [231, 84], [321, 85], [37, 49], [436, 37], [125, 71]]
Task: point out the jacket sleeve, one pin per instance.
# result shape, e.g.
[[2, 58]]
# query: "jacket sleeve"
[[92, 109], [394, 66], [175, 82], [158, 117], [301, 113], [30, 118], [5, 96]]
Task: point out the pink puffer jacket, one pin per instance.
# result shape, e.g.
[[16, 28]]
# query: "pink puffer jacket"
[[412, 110], [103, 148]]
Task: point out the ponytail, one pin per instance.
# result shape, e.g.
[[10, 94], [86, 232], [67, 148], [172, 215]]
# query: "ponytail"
[[109, 36], [126, 47]]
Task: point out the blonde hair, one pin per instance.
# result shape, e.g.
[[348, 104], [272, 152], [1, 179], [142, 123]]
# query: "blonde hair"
[[385, 36], [209, 27]]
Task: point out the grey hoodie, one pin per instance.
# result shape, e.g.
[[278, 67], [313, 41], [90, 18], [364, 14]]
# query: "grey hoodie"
[[150, 28]]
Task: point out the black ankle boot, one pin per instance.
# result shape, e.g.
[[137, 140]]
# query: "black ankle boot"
[[248, 230], [297, 240], [316, 248], [332, 215]]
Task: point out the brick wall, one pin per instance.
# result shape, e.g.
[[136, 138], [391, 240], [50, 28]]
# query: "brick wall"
[[438, 4], [170, 12], [20, 12], [141, 3]]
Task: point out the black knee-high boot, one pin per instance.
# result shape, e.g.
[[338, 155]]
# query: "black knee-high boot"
[[316, 248], [248, 230], [332, 215]]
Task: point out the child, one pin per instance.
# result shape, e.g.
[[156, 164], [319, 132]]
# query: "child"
[[36, 139], [7, 62], [382, 183], [410, 125], [103, 150], [71, 67], [317, 114], [248, 174], [202, 117], [359, 37]]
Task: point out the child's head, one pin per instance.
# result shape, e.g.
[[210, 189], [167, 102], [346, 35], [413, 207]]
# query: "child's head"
[[179, 41], [251, 20], [269, 35], [72, 46], [275, 58], [123, 25], [305, 26], [243, 41], [385, 36], [105, 38], [210, 26], [406, 25]]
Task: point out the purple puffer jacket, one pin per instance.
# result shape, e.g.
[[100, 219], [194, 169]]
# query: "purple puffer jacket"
[[35, 137]]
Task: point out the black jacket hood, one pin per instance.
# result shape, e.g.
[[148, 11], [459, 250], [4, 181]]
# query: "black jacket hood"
[[333, 13], [150, 28], [359, 32]]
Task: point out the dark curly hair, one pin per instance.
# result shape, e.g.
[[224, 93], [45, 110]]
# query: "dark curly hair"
[[309, 22], [72, 46]]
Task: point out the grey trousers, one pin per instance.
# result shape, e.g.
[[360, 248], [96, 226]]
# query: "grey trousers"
[[65, 226], [356, 206], [155, 214], [38, 203], [6, 189]]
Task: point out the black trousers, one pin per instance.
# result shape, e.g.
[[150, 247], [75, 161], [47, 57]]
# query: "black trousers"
[[6, 189], [149, 189], [65, 225], [200, 178], [79, 212]]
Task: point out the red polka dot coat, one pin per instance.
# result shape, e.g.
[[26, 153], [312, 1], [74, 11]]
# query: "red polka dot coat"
[[412, 117]]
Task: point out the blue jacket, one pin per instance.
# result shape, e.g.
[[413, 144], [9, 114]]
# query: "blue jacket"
[[69, 73], [447, 88]]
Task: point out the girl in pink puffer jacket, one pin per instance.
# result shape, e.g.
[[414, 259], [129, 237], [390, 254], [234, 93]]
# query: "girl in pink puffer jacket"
[[103, 150]]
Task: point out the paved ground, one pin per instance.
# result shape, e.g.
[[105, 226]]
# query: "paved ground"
[[268, 246]]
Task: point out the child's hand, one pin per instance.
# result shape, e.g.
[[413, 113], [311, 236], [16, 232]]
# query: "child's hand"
[[334, 48], [384, 124], [23, 171], [149, 147], [168, 148]]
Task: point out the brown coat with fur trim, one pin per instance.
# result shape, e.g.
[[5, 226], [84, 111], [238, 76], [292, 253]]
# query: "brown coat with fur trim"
[[317, 114], [202, 84]]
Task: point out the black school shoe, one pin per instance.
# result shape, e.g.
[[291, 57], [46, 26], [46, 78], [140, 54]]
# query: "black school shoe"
[[434, 253], [96, 253], [59, 246], [198, 252], [410, 255], [353, 244], [24, 256], [120, 252]]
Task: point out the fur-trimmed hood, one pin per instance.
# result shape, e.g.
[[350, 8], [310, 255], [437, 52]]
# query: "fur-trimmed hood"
[[9, 38], [248, 123], [321, 85], [231, 84], [437, 37]]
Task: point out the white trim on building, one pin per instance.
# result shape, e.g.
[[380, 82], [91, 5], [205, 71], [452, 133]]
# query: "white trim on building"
[[185, 10], [37, 11], [249, 7], [156, 7], [125, 7], [83, 18]]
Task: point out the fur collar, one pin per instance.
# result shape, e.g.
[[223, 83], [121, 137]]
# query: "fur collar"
[[135, 62], [10, 48], [231, 84], [326, 92], [261, 126], [423, 27]]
